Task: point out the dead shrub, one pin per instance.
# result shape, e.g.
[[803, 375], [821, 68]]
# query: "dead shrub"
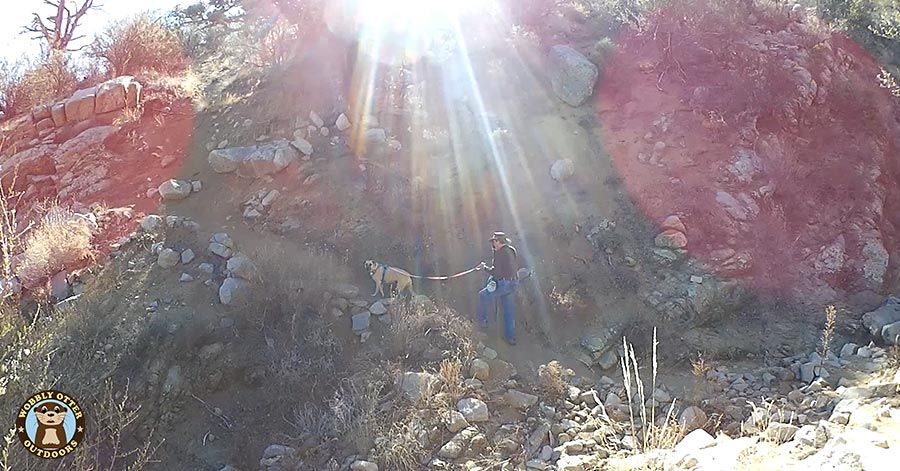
[[417, 327], [60, 240], [450, 372], [24, 85], [552, 380], [295, 281], [138, 45]]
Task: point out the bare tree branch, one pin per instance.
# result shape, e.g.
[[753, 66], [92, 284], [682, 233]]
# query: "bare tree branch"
[[58, 30]]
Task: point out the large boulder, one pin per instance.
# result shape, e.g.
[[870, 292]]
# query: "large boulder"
[[228, 160], [888, 313], [266, 160], [111, 95], [253, 162], [572, 76], [80, 106], [74, 148], [891, 333]]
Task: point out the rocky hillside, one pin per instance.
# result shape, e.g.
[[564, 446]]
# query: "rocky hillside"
[[771, 139], [689, 188]]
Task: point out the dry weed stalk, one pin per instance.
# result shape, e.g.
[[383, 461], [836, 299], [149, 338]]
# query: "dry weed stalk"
[[828, 330], [10, 234], [652, 435], [699, 368]]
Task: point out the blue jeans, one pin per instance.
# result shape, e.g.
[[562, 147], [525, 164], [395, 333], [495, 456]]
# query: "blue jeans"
[[505, 290]]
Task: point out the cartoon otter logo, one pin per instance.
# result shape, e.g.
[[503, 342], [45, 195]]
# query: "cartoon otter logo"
[[50, 424]]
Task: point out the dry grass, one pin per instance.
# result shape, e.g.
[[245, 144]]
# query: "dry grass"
[[59, 348], [60, 240], [450, 372], [23, 85], [417, 327], [295, 282], [651, 435], [552, 380], [138, 45]]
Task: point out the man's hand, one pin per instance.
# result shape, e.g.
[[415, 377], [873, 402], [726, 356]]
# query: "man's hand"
[[481, 266]]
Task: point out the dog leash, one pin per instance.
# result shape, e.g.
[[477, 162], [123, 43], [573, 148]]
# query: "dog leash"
[[437, 278]]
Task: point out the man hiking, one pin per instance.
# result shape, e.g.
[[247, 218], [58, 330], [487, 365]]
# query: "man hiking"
[[502, 284]]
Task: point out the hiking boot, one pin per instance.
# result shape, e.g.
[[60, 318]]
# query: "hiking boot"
[[511, 341]]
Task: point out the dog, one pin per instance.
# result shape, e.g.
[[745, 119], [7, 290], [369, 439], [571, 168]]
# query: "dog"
[[51, 433], [384, 275]]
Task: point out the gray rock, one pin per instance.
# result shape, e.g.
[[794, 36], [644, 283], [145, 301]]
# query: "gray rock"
[[456, 421], [891, 333], [598, 343], [779, 432], [342, 123], [360, 465], [699, 439], [562, 169], [745, 166], [888, 313], [228, 160], [874, 258], [207, 268], [673, 222], [270, 198], [415, 386], [234, 291], [316, 119], [480, 370], [377, 308], [80, 106], [575, 462], [223, 239], [240, 266], [221, 250], [831, 259], [671, 239], [848, 350], [151, 223], [196, 186], [519, 400], [185, 278], [474, 410], [572, 76], [173, 190], [692, 418], [187, 256], [741, 210], [811, 435], [266, 160], [168, 258], [454, 448], [361, 321], [303, 146]]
